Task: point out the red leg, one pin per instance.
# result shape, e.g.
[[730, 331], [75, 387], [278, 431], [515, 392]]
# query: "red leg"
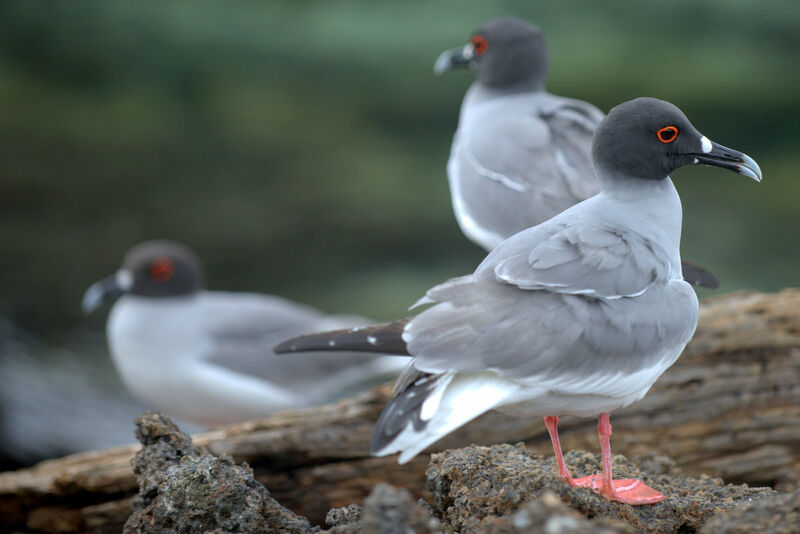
[[628, 491], [551, 422]]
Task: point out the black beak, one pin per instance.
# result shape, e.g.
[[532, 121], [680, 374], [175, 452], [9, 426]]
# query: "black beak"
[[457, 57], [99, 293], [727, 158]]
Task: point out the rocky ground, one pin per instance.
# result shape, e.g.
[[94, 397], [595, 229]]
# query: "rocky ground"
[[501, 489]]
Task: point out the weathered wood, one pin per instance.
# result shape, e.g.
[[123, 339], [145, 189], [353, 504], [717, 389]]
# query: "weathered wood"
[[729, 407]]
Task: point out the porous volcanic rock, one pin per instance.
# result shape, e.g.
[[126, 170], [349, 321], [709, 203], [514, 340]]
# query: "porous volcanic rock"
[[387, 510], [547, 514], [474, 483], [184, 489], [502, 489], [779, 514]]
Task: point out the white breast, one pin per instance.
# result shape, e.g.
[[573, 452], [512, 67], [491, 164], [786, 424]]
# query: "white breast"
[[158, 346], [152, 341]]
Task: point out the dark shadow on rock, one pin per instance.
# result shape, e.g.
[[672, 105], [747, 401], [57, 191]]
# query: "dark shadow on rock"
[[779, 514], [387, 510], [547, 514], [474, 483], [184, 489]]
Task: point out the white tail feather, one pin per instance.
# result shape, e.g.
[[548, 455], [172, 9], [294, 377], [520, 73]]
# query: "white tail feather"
[[464, 398]]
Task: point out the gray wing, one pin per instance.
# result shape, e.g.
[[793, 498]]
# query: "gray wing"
[[591, 259], [243, 337], [518, 162], [528, 319], [572, 124]]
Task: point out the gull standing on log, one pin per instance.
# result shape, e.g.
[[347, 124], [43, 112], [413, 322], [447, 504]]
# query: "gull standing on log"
[[206, 356], [576, 316]]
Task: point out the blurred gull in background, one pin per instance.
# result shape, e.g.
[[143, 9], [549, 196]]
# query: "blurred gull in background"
[[207, 356], [520, 154]]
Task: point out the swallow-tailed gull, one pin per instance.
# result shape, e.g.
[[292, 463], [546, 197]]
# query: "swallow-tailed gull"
[[520, 154], [206, 356], [576, 316]]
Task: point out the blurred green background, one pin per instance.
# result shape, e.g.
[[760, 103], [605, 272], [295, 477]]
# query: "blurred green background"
[[299, 147]]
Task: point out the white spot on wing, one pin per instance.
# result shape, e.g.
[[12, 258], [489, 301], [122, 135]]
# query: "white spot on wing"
[[372, 340], [705, 144], [331, 343]]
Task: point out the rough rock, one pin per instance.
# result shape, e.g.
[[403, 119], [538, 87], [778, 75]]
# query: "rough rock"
[[547, 514], [503, 489], [345, 515], [387, 510], [184, 489], [163, 445], [475, 483], [779, 514]]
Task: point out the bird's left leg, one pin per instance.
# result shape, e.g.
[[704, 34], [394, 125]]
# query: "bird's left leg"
[[626, 490]]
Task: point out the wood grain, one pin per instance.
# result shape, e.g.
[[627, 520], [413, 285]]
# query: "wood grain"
[[730, 407]]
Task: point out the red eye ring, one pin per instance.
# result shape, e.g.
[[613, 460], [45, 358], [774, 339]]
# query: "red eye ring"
[[161, 269], [667, 134], [479, 44]]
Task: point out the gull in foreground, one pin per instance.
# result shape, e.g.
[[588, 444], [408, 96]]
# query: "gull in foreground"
[[520, 154], [576, 316], [206, 356]]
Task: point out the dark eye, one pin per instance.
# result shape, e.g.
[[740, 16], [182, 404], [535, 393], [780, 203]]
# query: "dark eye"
[[479, 43], [161, 269], [667, 134]]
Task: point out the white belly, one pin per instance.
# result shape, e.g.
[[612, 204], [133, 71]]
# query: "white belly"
[[158, 352]]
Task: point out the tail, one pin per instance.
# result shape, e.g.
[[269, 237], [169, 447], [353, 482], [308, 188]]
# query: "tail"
[[433, 405], [386, 338]]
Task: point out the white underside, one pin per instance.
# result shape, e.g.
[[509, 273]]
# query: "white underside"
[[158, 351], [469, 226], [463, 397], [159, 348]]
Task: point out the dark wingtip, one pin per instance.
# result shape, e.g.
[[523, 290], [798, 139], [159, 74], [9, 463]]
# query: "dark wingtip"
[[404, 408], [384, 338], [307, 343], [698, 276], [285, 347]]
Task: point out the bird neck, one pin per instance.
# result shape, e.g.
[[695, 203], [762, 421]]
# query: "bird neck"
[[656, 196], [530, 85], [651, 207]]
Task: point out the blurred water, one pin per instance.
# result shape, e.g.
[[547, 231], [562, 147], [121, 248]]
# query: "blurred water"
[[54, 402]]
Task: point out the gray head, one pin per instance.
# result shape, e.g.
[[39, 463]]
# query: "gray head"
[[506, 53], [649, 138], [157, 268]]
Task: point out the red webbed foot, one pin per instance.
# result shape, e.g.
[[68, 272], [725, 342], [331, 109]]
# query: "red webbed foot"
[[625, 490]]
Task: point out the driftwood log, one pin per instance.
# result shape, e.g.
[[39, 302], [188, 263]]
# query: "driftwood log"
[[730, 407]]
